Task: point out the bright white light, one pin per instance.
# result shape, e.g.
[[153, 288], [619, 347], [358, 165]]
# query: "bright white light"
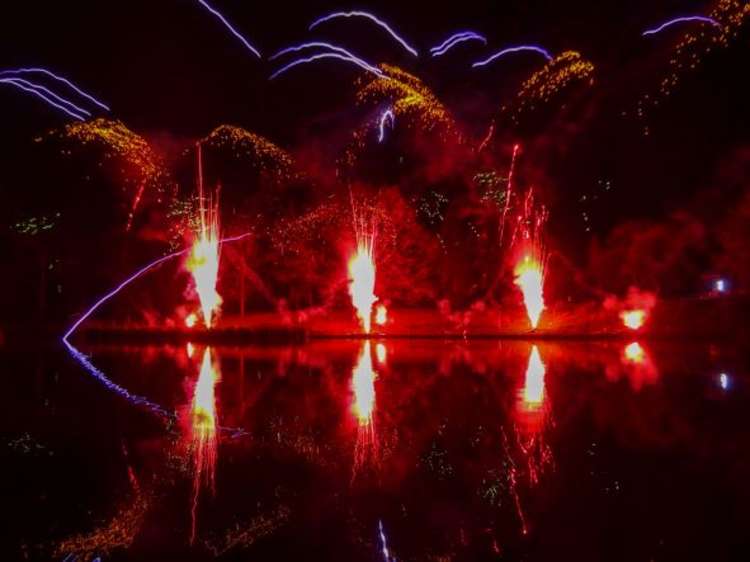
[[721, 285], [724, 381]]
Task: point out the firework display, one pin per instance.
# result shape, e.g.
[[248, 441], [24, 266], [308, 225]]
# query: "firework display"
[[405, 284]]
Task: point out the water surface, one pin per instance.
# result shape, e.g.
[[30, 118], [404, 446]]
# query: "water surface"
[[395, 449]]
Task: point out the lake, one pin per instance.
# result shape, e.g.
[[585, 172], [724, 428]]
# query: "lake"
[[395, 449]]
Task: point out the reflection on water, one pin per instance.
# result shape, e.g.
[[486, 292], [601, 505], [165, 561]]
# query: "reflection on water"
[[637, 366], [380, 449], [363, 389], [363, 386], [202, 431], [533, 388]]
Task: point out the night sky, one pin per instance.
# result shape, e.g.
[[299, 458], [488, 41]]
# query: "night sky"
[[172, 72]]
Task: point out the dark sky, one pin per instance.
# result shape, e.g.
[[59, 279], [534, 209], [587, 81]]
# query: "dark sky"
[[169, 67], [169, 64]]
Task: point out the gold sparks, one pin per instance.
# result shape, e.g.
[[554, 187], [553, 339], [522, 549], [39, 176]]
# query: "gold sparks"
[[410, 99], [118, 142], [144, 177], [559, 73], [119, 533], [694, 46], [264, 155], [243, 537], [411, 102]]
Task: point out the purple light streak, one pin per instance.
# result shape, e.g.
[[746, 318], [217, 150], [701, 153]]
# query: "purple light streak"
[[59, 79], [145, 269], [98, 374], [371, 17], [454, 40], [517, 49], [319, 56], [312, 45], [62, 100], [682, 19], [41, 96], [119, 288], [383, 542], [231, 29], [386, 116], [450, 39], [114, 387]]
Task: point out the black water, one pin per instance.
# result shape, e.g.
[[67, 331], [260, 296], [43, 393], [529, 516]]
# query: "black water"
[[606, 452]]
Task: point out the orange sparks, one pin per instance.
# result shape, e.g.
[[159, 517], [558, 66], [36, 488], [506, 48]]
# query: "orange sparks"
[[530, 280], [203, 430], [362, 284], [633, 319]]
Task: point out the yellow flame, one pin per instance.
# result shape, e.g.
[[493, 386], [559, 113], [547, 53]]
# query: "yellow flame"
[[633, 319], [530, 280], [203, 263], [533, 389], [363, 386], [362, 284]]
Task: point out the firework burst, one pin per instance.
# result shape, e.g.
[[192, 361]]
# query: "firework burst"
[[204, 257], [726, 20], [558, 74]]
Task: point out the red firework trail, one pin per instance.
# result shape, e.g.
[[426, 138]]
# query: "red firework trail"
[[514, 486], [509, 190], [487, 138], [134, 207]]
